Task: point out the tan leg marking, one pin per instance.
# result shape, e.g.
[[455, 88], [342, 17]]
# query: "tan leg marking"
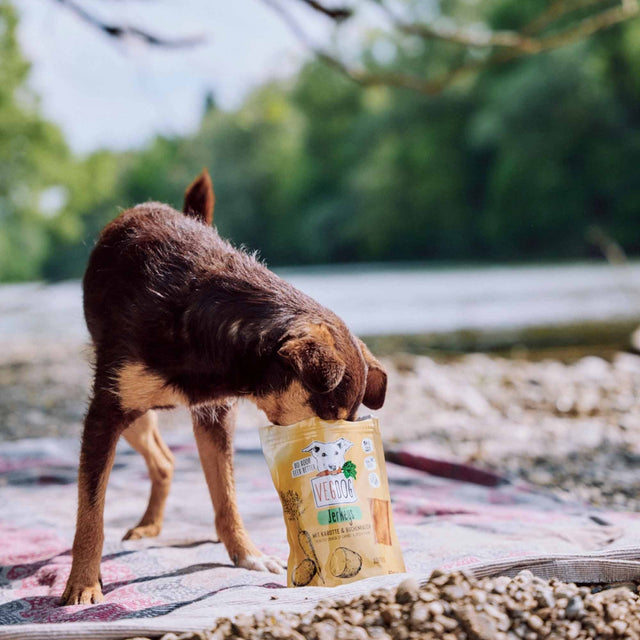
[[141, 389], [213, 428], [143, 435]]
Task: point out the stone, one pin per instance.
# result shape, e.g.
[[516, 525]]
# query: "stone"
[[407, 591], [535, 622], [619, 626], [545, 597], [419, 614], [575, 608], [477, 624], [500, 584], [453, 593]]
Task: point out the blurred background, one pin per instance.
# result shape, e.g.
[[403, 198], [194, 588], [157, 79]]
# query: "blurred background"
[[451, 176]]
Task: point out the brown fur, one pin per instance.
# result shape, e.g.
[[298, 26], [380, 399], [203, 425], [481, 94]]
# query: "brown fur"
[[106, 422], [199, 199], [314, 357], [213, 429], [376, 387], [143, 435], [179, 316]]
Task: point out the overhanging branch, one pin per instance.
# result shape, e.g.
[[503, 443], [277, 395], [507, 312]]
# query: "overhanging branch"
[[339, 14], [508, 45], [122, 31]]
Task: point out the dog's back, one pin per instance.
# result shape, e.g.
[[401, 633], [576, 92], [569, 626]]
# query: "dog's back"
[[149, 266], [144, 264]]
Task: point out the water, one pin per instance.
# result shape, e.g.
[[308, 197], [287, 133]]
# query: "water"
[[391, 300], [417, 301]]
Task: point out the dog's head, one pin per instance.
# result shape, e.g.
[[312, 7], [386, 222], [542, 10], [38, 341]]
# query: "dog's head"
[[329, 456], [331, 372]]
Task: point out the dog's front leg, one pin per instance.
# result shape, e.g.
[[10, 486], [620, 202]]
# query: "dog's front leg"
[[213, 427], [103, 425]]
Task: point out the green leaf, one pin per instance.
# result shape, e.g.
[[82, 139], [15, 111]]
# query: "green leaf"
[[349, 470]]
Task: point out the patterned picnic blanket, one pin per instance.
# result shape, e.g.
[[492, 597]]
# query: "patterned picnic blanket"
[[183, 580]]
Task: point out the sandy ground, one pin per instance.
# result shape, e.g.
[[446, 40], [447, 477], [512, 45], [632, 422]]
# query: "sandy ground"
[[570, 427]]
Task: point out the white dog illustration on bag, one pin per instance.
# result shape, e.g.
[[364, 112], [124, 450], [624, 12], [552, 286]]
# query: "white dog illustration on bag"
[[329, 456]]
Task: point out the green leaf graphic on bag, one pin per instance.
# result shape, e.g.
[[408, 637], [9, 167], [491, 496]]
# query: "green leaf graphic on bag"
[[349, 470]]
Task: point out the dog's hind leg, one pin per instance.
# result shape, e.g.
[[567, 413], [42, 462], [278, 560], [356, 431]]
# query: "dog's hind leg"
[[144, 436], [104, 423], [213, 427]]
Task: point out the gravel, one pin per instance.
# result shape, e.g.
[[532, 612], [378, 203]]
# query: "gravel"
[[573, 428], [452, 606]]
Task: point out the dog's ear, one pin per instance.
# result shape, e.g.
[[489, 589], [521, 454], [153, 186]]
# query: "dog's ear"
[[199, 199], [344, 444], [313, 447], [313, 356], [376, 388]]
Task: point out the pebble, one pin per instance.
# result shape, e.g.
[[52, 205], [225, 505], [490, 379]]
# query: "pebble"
[[545, 597], [540, 421], [478, 596], [500, 584], [419, 614], [619, 626], [407, 591], [575, 608], [535, 622], [454, 593]]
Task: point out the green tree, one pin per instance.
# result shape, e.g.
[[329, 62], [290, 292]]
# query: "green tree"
[[33, 156]]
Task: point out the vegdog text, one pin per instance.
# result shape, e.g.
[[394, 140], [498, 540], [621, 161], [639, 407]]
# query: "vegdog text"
[[333, 489]]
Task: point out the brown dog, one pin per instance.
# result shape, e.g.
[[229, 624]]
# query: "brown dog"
[[179, 317]]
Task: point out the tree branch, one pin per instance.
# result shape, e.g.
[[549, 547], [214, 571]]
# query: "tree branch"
[[588, 26], [464, 37], [123, 31], [557, 9], [339, 14], [513, 45], [519, 40]]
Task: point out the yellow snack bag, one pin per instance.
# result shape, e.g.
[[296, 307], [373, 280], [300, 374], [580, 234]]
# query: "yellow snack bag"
[[332, 481]]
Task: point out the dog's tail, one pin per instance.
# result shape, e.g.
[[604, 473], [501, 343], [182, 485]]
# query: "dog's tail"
[[199, 199]]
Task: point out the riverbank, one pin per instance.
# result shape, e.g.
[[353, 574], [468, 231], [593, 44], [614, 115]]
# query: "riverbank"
[[573, 427]]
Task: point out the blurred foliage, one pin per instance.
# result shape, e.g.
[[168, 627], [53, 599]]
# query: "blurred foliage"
[[518, 163], [31, 154]]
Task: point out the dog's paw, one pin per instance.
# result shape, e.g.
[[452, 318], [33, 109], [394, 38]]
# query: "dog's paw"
[[75, 594], [142, 531], [259, 562]]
